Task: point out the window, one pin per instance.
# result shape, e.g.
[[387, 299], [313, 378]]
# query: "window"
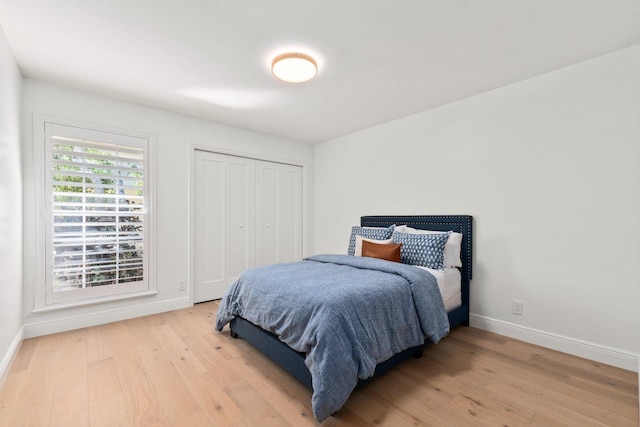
[[97, 223]]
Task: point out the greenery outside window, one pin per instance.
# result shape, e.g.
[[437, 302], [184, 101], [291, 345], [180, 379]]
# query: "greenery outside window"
[[97, 222]]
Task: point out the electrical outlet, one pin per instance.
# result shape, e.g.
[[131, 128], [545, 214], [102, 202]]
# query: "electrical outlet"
[[182, 286], [516, 307]]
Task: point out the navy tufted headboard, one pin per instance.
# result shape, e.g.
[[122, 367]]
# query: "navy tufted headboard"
[[458, 223]]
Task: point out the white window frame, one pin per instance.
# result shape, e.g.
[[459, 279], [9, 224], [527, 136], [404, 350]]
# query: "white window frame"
[[44, 297]]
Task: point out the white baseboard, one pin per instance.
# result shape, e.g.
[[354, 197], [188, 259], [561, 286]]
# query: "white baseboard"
[[588, 350], [10, 355], [36, 329]]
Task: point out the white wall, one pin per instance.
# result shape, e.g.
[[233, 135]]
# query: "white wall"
[[549, 168], [10, 207], [176, 134]]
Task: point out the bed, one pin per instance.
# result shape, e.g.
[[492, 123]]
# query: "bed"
[[293, 361]]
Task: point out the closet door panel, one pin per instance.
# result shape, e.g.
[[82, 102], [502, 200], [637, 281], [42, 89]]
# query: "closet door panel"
[[290, 209], [278, 213], [209, 217], [266, 213], [241, 219]]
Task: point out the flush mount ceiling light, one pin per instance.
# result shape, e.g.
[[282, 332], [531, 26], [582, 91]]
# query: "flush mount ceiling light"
[[294, 67]]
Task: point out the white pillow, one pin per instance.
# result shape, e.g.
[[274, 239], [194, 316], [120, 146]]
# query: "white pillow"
[[359, 239], [451, 249]]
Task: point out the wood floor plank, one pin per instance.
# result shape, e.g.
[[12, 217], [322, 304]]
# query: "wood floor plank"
[[345, 417], [173, 369], [210, 394], [70, 398], [102, 379], [177, 401], [545, 405], [180, 355], [370, 405], [489, 341], [575, 361], [620, 387], [199, 419], [375, 409], [216, 363], [197, 343], [568, 400], [109, 412], [390, 418], [72, 360], [188, 323], [23, 358], [98, 343], [10, 393], [208, 311], [118, 333], [107, 406], [48, 342], [33, 407], [155, 319], [138, 329], [489, 410], [556, 386], [70, 406], [429, 408], [272, 383], [254, 407], [143, 406], [227, 347], [544, 420]]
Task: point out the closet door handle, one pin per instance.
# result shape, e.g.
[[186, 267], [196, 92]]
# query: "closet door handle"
[[268, 225], [241, 226]]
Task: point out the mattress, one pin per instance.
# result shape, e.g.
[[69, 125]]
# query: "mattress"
[[449, 283]]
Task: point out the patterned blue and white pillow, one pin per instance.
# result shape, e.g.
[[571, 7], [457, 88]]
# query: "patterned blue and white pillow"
[[426, 250], [376, 233]]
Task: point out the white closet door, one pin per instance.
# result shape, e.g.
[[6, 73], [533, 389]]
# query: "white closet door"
[[241, 221], [224, 222], [210, 215], [246, 213], [278, 213]]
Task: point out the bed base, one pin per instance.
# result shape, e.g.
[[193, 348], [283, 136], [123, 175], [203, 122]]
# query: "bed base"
[[293, 361]]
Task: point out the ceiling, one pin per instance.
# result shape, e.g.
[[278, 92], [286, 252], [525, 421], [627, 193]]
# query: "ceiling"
[[378, 60]]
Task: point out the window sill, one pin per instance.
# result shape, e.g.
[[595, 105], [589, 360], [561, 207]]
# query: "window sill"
[[92, 301]]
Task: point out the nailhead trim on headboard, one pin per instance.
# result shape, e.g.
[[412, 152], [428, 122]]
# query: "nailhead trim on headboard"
[[458, 223]]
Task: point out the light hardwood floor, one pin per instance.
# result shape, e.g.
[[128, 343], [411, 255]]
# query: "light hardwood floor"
[[172, 369]]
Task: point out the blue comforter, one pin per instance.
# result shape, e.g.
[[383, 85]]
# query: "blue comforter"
[[346, 313]]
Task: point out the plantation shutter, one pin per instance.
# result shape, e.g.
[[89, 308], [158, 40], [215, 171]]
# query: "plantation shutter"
[[97, 190]]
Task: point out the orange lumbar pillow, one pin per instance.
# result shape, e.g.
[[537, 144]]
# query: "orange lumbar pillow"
[[390, 252]]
